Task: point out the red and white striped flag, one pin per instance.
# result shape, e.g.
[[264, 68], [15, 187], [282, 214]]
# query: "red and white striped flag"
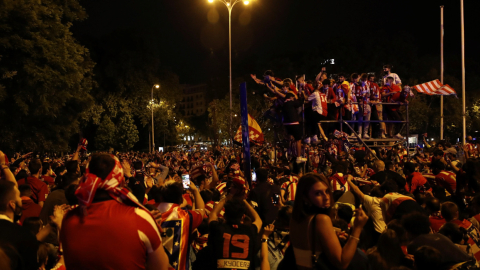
[[435, 88]]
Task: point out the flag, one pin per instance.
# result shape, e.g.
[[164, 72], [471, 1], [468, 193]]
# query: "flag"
[[255, 132], [435, 88]]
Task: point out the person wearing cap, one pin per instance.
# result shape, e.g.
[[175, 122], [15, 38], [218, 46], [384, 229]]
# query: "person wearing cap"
[[387, 70]]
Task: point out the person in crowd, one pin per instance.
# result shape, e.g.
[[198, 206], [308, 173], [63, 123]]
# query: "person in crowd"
[[389, 90], [266, 197], [364, 98], [29, 207], [395, 205], [103, 197], [233, 242], [387, 253], [417, 227], [291, 121], [387, 70], [39, 188], [377, 108], [178, 224], [450, 213], [311, 221], [19, 245], [415, 180], [355, 99], [319, 99]]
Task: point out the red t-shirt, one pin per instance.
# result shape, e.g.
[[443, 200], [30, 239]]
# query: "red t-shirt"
[[415, 181], [39, 188], [111, 235], [448, 180]]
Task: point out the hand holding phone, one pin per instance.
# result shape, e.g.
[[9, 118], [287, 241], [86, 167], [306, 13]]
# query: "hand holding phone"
[[275, 198], [186, 181]]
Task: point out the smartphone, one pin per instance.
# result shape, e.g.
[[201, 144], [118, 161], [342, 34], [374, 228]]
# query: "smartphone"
[[254, 176], [186, 181], [276, 198]]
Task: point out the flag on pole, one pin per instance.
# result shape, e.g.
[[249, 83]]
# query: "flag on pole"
[[435, 88], [255, 132]]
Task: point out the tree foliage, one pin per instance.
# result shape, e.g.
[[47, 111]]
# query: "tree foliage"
[[46, 90]]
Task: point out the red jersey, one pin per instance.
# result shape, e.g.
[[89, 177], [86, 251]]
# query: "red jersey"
[[375, 93], [177, 225], [39, 188], [339, 182], [319, 103], [209, 208], [448, 180], [290, 188], [390, 202], [436, 221], [415, 182], [111, 236]]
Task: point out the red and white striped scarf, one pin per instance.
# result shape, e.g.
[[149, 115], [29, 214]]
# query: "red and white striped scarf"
[[113, 184]]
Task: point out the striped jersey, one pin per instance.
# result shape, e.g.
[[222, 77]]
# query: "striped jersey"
[[177, 225], [390, 202], [473, 236], [338, 182]]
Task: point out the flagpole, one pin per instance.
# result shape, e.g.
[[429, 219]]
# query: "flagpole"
[[441, 71], [463, 74]]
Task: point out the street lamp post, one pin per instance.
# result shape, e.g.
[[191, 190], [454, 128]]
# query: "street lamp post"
[[153, 126], [230, 4]]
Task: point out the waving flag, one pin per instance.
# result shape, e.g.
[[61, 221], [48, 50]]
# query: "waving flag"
[[435, 88], [255, 132]]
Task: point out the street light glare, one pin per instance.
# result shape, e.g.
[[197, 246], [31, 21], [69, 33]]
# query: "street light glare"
[[210, 1], [246, 2], [228, 4], [157, 86]]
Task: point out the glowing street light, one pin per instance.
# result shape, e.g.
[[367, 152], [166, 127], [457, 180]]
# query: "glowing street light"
[[157, 86], [230, 4]]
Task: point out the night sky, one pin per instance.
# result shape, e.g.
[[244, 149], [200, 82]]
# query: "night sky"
[[192, 35]]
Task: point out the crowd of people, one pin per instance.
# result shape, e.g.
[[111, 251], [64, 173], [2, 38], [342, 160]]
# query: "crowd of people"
[[301, 106], [194, 209]]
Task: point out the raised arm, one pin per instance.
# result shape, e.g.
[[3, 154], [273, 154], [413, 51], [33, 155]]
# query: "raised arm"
[[355, 189], [6, 170], [256, 218]]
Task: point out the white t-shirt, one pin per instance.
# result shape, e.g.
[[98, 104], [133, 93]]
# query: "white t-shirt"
[[374, 211], [396, 79]]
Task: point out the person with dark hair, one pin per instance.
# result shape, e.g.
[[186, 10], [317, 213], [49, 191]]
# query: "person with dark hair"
[[104, 205], [263, 195], [320, 99], [389, 91], [21, 246], [178, 224], [341, 90], [372, 207], [291, 121], [377, 108], [428, 258], [58, 197], [29, 207], [450, 213], [387, 69], [33, 224], [39, 188], [416, 182], [432, 207], [47, 175], [356, 109], [444, 178], [387, 253], [233, 243], [394, 205], [311, 226], [417, 227]]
